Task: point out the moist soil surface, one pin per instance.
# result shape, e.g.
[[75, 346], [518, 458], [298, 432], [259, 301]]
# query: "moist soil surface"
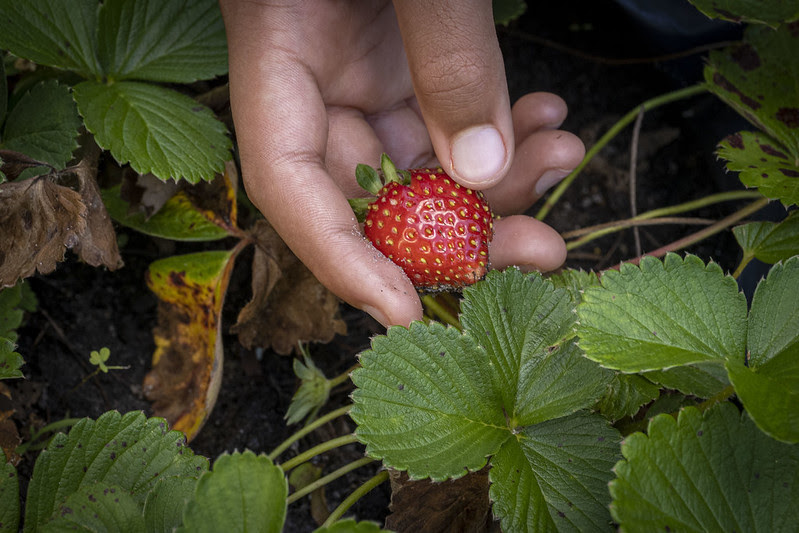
[[83, 308]]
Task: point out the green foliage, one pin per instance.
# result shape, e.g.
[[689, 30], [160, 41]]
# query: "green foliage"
[[221, 503], [9, 497], [770, 242], [678, 313], [74, 480], [116, 46], [14, 301], [177, 219], [771, 12], [706, 472], [506, 11], [351, 526], [43, 124], [313, 392], [437, 402], [751, 77]]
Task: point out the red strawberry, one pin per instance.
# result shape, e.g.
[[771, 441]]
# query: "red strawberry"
[[435, 229]]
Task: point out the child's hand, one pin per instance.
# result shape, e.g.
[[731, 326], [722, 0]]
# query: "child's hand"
[[319, 86]]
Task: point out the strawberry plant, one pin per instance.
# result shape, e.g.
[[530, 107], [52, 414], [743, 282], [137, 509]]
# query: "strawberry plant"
[[653, 396]]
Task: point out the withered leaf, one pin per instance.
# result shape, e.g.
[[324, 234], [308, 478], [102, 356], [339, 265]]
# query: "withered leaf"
[[423, 506], [13, 163], [288, 305], [40, 221], [97, 244], [187, 363]]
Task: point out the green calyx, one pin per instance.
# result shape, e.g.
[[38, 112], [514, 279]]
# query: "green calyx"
[[372, 180]]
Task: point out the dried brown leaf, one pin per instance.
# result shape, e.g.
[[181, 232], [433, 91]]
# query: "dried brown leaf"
[[289, 305], [13, 163], [97, 244], [460, 505], [40, 220]]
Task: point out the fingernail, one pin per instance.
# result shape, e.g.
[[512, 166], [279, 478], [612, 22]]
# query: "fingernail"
[[478, 154], [549, 179], [376, 314]]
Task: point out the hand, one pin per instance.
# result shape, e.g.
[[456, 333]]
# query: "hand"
[[319, 86]]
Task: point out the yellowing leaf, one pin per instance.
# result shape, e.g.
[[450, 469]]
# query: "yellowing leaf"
[[187, 363]]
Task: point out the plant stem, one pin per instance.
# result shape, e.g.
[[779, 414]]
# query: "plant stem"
[[356, 495], [610, 134], [719, 397], [322, 481], [66, 422], [440, 311], [307, 429], [318, 449], [722, 224], [745, 260], [341, 378], [613, 227]]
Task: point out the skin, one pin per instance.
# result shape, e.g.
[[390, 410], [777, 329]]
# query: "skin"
[[320, 86]]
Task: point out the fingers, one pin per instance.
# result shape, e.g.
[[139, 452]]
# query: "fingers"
[[281, 127], [459, 80], [527, 243], [537, 111], [542, 160]]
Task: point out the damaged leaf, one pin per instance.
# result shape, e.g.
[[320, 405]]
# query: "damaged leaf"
[[771, 12], [758, 78], [289, 305], [97, 245], [201, 212], [762, 163], [456, 505], [187, 363], [40, 221]]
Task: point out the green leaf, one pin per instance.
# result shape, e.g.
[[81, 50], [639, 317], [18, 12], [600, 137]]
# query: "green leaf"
[[553, 476], [625, 395], [506, 11], [770, 242], [763, 163], [9, 497], [178, 41], [711, 472], [178, 219], [312, 394], [759, 78], [3, 100], [525, 325], [421, 387], [163, 509], [769, 386], [662, 314], [10, 361], [53, 33], [702, 380], [771, 12], [97, 507], [157, 130], [575, 281], [44, 124], [128, 451], [11, 314], [243, 492], [351, 526]]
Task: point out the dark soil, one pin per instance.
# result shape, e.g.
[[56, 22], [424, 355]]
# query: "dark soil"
[[83, 308]]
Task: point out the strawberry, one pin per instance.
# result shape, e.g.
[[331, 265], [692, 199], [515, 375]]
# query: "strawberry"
[[436, 230]]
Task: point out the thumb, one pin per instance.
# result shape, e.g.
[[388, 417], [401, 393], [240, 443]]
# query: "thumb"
[[459, 79]]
